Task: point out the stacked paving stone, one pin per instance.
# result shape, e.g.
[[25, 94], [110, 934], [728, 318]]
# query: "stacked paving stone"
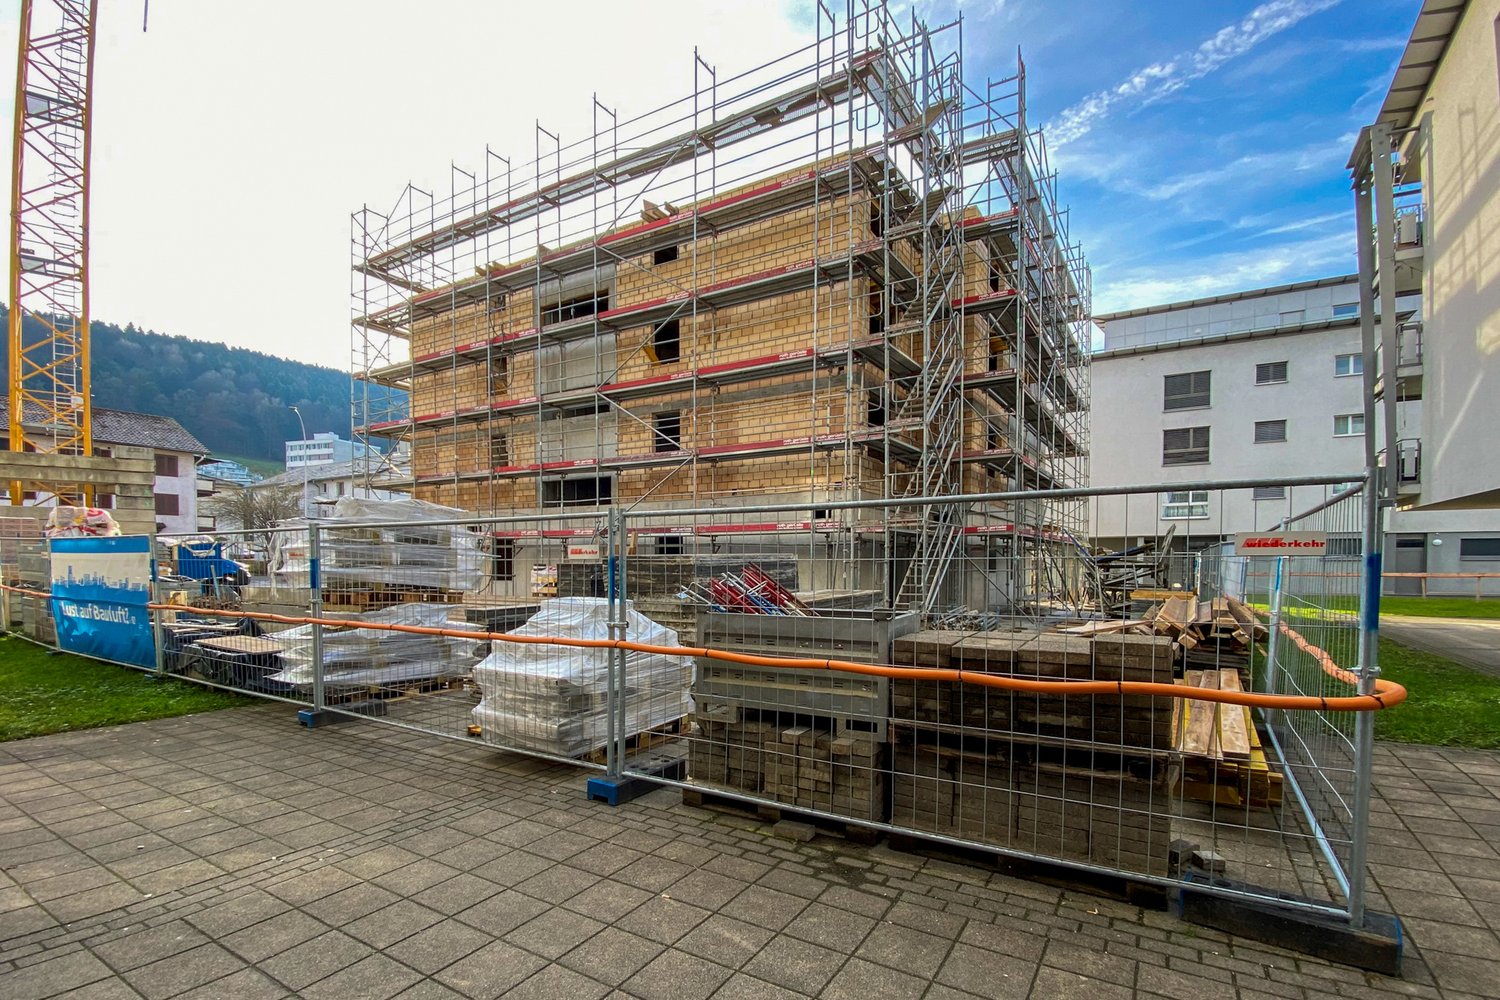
[[1072, 777]]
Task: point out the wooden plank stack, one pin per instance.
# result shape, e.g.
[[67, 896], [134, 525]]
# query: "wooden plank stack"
[[1072, 777], [1222, 760]]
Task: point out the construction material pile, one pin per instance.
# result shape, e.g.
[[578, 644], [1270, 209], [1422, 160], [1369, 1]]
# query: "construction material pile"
[[553, 699], [1222, 621], [750, 591], [80, 522], [357, 657], [367, 562]]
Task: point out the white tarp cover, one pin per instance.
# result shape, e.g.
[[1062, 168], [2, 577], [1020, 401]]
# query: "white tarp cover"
[[552, 698], [369, 657]]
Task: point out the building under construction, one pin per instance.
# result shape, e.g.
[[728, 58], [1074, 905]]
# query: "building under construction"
[[840, 275]]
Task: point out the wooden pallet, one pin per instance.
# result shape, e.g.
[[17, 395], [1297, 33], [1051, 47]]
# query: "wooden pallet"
[[649, 739], [1222, 759], [344, 694], [385, 597]]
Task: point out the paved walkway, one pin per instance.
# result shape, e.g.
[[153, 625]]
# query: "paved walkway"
[[1474, 642], [234, 855]]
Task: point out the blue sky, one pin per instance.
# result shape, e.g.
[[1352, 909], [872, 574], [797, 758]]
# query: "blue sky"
[[1200, 145], [1205, 151]]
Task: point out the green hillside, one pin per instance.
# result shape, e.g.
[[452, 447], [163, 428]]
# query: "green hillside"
[[235, 401]]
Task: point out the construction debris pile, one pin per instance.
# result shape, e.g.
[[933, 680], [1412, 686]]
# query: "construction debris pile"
[[553, 698], [750, 591]]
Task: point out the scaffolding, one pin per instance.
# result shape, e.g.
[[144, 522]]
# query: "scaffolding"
[[840, 275]]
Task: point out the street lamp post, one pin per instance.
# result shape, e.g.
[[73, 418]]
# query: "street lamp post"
[[306, 512]]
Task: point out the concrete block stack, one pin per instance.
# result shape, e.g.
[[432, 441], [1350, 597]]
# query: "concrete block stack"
[[814, 769], [1071, 777]]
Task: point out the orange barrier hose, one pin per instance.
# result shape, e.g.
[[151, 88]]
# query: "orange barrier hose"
[[1387, 693]]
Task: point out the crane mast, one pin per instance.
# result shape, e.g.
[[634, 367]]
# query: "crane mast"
[[49, 380]]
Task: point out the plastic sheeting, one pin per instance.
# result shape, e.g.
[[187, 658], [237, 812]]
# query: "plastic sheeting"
[[367, 657], [80, 522], [553, 698], [358, 556]]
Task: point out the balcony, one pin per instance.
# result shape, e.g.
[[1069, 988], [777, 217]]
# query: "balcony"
[[1408, 362], [1410, 242], [1408, 466]]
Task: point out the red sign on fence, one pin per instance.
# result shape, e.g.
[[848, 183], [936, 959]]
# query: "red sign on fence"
[[1281, 543]]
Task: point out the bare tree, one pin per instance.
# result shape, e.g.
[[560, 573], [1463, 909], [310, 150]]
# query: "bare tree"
[[254, 509]]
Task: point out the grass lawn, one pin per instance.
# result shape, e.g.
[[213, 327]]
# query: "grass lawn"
[[42, 693], [1441, 607], [1449, 704]]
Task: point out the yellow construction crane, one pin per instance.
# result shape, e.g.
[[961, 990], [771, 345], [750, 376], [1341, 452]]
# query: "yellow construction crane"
[[49, 382]]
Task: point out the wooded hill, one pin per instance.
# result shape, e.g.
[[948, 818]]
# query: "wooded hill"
[[233, 400]]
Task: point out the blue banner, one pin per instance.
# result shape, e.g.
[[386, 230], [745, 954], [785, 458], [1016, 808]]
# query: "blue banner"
[[100, 589]]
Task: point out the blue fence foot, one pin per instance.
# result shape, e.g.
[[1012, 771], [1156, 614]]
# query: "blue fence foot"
[[313, 719], [614, 791]]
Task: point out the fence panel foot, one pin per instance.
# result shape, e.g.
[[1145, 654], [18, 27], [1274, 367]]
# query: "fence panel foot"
[[1377, 946], [313, 718]]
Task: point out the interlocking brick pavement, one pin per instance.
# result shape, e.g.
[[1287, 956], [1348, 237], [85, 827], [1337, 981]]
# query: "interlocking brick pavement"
[[237, 855]]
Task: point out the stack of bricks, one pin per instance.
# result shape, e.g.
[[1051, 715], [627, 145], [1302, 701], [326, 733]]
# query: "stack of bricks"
[[813, 769], [1071, 777], [729, 752]]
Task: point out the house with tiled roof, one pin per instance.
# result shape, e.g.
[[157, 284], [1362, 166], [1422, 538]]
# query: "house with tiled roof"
[[177, 453]]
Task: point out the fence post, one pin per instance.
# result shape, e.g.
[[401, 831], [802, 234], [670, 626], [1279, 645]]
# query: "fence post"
[[614, 686], [622, 533], [315, 605], [1273, 669], [1364, 722]]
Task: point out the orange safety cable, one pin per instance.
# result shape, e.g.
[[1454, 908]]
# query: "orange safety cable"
[[1387, 693]]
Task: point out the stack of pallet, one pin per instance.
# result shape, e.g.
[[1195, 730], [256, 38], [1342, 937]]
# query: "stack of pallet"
[[1065, 776], [1222, 760]]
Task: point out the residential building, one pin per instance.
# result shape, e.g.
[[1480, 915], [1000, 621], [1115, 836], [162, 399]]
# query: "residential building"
[[227, 471], [176, 454], [324, 484], [323, 448], [847, 281], [1259, 384], [1428, 221]]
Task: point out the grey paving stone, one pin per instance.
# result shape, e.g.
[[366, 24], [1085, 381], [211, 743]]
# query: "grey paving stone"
[[180, 973], [502, 913], [237, 913], [348, 905], [408, 880], [374, 977], [247, 984], [304, 964], [302, 889], [554, 932], [458, 893], [145, 945], [558, 883], [706, 889], [795, 964], [725, 940], [1066, 985], [830, 927], [513, 867], [608, 900], [429, 989], [490, 971], [676, 975], [274, 935], [612, 955], [53, 977], [986, 973], [651, 873], [742, 987], [440, 945], [558, 983], [861, 980], [905, 949], [769, 908], [661, 919]]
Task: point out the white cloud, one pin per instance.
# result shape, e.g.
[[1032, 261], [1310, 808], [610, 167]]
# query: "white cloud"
[[1161, 79]]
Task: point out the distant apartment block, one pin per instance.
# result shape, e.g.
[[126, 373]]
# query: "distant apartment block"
[[229, 472], [323, 448]]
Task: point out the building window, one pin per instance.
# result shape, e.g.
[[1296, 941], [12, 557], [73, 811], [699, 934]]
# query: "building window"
[[1182, 506], [1270, 372], [1345, 365], [1479, 548], [666, 431], [664, 256], [1184, 446], [1268, 493], [167, 503], [875, 406], [578, 491], [1349, 310], [669, 545], [1349, 425], [1186, 391], [503, 559], [1345, 547], [576, 308], [499, 449], [1267, 431], [666, 342], [497, 302], [499, 374], [166, 465]]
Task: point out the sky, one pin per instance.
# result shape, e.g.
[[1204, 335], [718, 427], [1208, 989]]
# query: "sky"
[[1200, 145]]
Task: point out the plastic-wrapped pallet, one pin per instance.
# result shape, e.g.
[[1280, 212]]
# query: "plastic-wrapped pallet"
[[553, 698], [371, 657]]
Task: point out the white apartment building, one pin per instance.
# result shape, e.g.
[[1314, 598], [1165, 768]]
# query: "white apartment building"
[[1427, 180], [323, 448], [1266, 383]]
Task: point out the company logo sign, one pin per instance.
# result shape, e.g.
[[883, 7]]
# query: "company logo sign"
[[1281, 543]]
